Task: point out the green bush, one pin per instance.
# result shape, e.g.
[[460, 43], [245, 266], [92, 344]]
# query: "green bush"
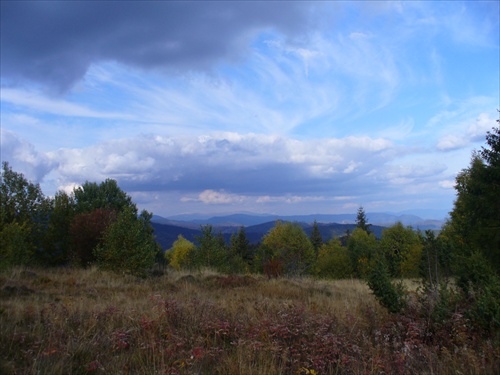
[[389, 294], [333, 261]]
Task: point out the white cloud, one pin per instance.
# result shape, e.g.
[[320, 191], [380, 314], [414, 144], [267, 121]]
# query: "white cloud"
[[467, 133], [451, 142], [351, 167], [477, 130], [69, 188], [23, 156], [219, 197], [447, 184]]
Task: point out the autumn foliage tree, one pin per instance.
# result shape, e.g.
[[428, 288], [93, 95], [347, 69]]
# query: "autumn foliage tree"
[[289, 243], [180, 255], [96, 207]]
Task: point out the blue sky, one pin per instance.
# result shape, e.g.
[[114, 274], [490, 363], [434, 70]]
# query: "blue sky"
[[265, 107]]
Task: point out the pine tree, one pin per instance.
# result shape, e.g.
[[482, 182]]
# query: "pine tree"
[[316, 238], [362, 221]]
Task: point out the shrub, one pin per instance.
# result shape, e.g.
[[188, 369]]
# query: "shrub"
[[390, 295], [333, 261]]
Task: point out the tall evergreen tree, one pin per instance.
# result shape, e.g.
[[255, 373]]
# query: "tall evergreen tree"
[[474, 230], [212, 250], [362, 221], [475, 219], [240, 245], [316, 238]]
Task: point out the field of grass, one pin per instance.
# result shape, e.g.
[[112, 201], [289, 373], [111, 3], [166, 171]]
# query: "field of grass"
[[72, 321]]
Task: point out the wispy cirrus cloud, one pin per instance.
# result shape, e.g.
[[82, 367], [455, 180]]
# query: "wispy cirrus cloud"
[[33, 101]]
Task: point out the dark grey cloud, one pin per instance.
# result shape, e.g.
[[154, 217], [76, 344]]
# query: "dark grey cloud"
[[55, 42]]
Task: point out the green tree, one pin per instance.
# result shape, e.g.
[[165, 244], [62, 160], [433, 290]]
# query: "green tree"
[[23, 203], [388, 293], [333, 261], [402, 249], [57, 240], [361, 247], [316, 238], [180, 254], [475, 219], [16, 248], [435, 266], [96, 207], [473, 235], [129, 245], [240, 253], [362, 221], [212, 250], [289, 243], [87, 231], [106, 195]]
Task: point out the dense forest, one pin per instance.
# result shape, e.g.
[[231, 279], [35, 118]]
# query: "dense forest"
[[99, 224]]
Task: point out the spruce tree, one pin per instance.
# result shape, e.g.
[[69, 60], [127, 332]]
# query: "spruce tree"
[[316, 238], [362, 221]]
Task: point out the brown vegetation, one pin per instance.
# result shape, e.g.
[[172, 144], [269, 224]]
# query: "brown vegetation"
[[70, 321]]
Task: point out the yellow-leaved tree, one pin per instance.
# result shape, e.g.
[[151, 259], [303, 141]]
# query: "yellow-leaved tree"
[[179, 255]]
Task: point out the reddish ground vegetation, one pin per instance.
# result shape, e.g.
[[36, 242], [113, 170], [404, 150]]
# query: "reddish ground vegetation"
[[93, 322]]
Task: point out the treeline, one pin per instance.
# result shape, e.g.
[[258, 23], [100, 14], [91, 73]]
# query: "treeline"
[[95, 224], [288, 249]]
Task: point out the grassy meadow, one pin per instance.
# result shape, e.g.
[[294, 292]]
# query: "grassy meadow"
[[74, 321]]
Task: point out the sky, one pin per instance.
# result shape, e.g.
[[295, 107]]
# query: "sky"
[[249, 106]]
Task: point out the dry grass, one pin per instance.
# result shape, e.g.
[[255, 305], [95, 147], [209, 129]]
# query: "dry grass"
[[70, 321]]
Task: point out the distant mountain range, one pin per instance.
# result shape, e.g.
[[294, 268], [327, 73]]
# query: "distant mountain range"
[[256, 226]]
